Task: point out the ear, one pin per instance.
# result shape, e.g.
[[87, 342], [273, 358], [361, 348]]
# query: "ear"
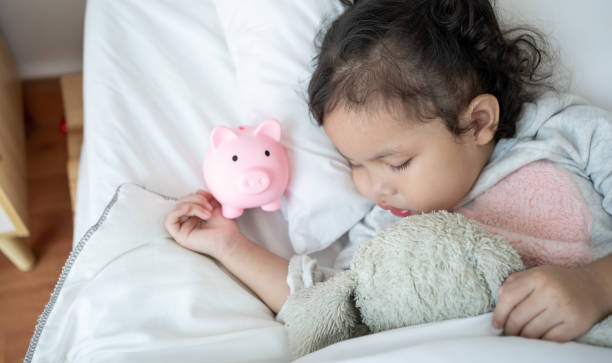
[[482, 114], [270, 128], [221, 135]]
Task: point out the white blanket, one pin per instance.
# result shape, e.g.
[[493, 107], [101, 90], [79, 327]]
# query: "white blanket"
[[129, 293]]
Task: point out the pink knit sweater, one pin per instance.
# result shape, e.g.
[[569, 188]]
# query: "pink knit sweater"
[[541, 212]]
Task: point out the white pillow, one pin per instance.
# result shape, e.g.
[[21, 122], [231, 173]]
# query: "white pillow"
[[129, 293], [272, 45]]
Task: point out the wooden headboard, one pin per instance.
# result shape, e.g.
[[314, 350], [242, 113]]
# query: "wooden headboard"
[[13, 163]]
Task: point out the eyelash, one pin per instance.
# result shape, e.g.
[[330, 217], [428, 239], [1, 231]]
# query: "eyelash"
[[394, 168], [401, 167]]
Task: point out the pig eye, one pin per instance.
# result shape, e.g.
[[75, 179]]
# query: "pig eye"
[[267, 153], [235, 157]]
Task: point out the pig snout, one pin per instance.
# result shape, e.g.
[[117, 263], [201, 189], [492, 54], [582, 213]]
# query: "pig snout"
[[254, 181]]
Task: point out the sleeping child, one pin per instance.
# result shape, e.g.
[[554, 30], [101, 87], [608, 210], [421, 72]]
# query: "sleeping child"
[[436, 108]]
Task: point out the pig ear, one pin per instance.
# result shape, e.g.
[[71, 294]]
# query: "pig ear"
[[270, 128], [220, 135]]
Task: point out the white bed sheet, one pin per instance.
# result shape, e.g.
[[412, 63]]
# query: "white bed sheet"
[[153, 70]]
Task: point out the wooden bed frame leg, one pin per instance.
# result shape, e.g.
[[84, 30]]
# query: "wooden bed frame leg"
[[18, 252]]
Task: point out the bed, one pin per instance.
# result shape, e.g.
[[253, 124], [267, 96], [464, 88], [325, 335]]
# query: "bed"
[[157, 77]]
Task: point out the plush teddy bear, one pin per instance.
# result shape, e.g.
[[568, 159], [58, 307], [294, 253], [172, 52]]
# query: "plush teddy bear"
[[422, 269]]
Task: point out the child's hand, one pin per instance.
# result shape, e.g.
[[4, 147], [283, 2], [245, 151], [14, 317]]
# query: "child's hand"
[[196, 223], [549, 302]]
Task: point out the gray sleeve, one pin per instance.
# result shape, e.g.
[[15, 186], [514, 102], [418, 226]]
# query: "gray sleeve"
[[599, 161], [598, 167], [584, 143], [583, 135]]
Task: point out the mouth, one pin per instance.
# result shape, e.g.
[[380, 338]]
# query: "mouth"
[[397, 212]]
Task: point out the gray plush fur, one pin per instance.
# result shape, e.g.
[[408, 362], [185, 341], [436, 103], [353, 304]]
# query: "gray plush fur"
[[422, 269], [312, 326]]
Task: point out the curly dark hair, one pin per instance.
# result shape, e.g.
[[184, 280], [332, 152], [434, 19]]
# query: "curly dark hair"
[[433, 56]]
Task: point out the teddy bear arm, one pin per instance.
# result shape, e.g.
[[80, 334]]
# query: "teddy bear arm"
[[321, 315]]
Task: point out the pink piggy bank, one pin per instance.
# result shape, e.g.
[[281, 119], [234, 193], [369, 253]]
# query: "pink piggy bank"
[[246, 167]]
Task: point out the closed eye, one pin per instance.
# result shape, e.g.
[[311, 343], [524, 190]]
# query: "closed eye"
[[401, 167]]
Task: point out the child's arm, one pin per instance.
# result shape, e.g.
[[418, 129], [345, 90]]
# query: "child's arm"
[[555, 303], [261, 270], [196, 223]]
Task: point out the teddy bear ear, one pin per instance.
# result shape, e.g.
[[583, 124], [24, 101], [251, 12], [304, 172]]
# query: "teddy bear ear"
[[321, 315]]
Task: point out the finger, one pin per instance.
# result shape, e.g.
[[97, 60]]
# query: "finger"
[[205, 193], [540, 325], [512, 294], [522, 314], [173, 220], [558, 333], [211, 198], [188, 226], [509, 280], [196, 210], [204, 200], [197, 199]]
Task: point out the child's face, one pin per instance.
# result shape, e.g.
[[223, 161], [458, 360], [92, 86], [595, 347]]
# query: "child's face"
[[404, 165]]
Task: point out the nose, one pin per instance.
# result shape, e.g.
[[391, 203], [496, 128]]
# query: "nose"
[[254, 181], [381, 187]]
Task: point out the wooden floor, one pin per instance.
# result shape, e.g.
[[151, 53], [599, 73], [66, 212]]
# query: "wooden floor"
[[23, 295]]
